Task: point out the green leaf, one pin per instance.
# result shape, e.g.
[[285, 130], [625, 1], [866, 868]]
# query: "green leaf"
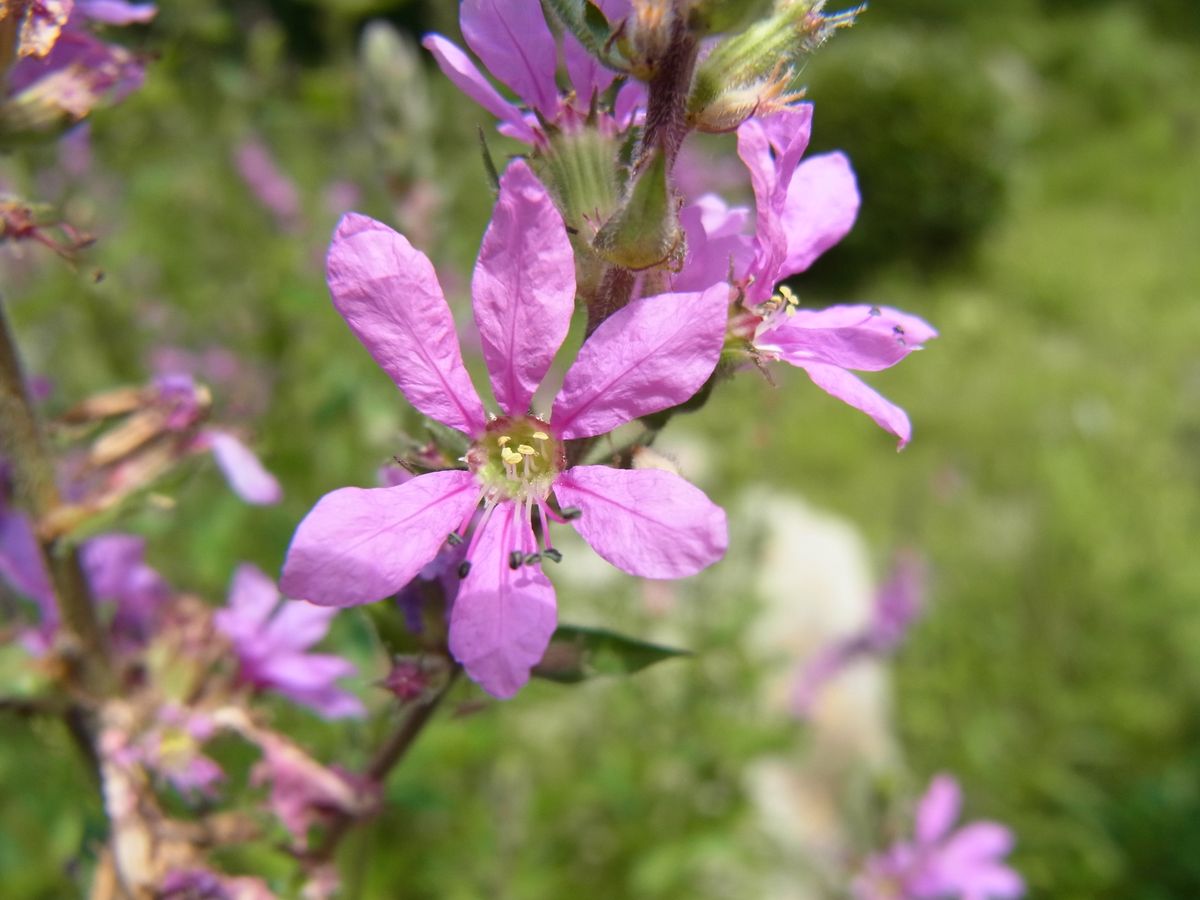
[[576, 654], [589, 26]]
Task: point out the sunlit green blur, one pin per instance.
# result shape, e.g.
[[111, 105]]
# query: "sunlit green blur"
[[1031, 186]]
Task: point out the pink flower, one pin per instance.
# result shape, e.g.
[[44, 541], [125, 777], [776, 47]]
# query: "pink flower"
[[304, 792], [272, 639], [897, 604], [71, 69], [939, 863], [179, 397], [801, 210], [357, 546], [274, 190], [518, 47]]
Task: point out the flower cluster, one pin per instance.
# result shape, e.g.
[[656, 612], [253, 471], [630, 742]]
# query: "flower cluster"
[[63, 70], [941, 862]]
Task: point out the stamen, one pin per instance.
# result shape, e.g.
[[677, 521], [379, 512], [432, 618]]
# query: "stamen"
[[540, 436], [553, 555], [526, 450], [454, 539], [503, 440], [571, 513], [463, 568], [515, 559], [533, 558]]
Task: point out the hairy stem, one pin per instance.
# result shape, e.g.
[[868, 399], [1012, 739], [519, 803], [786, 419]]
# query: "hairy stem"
[[22, 446], [666, 105]]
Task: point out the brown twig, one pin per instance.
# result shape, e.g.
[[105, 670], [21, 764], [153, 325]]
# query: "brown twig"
[[386, 758]]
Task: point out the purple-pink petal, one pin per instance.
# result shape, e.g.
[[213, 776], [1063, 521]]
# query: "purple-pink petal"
[[389, 295], [848, 347], [252, 597], [243, 470], [516, 45], [849, 388], [503, 617], [523, 288], [646, 522], [652, 354], [457, 66], [938, 809], [361, 545], [297, 625], [819, 210], [116, 12]]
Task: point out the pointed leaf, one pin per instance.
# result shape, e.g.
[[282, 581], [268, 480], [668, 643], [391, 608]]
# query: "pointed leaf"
[[576, 654]]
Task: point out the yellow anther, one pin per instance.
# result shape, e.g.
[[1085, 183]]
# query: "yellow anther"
[[503, 439], [526, 450], [510, 457], [541, 436]]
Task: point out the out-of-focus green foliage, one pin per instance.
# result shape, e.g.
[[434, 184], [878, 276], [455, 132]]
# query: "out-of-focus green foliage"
[[1053, 480]]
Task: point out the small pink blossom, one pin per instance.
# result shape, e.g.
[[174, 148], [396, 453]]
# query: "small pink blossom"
[[303, 792], [516, 44], [802, 208], [941, 863], [358, 546], [272, 641], [274, 191], [897, 605]]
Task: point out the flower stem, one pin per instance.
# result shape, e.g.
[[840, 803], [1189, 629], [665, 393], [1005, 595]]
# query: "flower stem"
[[386, 758], [666, 105], [22, 446]]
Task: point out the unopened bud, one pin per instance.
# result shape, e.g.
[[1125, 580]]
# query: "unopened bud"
[[751, 73], [645, 230]]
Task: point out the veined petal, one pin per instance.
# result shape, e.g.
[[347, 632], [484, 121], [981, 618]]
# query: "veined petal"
[[252, 596], [389, 295], [819, 210], [852, 390], [523, 288], [938, 809], [503, 617], [457, 66], [245, 473], [771, 149], [849, 347], [715, 249], [360, 545], [652, 354], [645, 521], [516, 45]]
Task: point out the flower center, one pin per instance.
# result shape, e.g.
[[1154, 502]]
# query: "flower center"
[[517, 459]]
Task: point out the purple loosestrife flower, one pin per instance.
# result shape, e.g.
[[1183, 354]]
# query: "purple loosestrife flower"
[[357, 546], [274, 191], [897, 605], [272, 639], [518, 47], [67, 68], [304, 792], [802, 208], [179, 397], [117, 572], [941, 864]]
